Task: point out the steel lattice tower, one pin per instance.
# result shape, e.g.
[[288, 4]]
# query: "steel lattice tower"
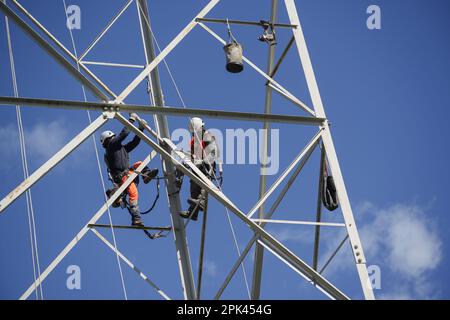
[[111, 105]]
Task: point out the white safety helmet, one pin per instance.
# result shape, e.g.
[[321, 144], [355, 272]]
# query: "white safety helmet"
[[196, 124], [106, 135]]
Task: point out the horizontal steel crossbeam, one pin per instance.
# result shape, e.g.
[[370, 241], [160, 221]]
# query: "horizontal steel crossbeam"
[[94, 226], [250, 23], [171, 111]]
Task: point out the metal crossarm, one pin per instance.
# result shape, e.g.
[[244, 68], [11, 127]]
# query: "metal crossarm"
[[242, 22], [170, 111], [93, 226]]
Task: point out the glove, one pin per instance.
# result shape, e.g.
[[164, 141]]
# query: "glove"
[[133, 117], [142, 124]]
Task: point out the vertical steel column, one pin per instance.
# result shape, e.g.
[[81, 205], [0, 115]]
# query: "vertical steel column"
[[259, 249], [162, 127]]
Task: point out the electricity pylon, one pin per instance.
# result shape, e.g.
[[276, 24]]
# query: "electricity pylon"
[[111, 105]]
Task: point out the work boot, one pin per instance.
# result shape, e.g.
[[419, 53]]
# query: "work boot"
[[185, 214], [149, 175], [137, 222], [178, 178], [135, 214], [194, 215], [189, 215], [200, 203]]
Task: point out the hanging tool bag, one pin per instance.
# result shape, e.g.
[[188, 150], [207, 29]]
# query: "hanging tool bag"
[[233, 53], [329, 195]]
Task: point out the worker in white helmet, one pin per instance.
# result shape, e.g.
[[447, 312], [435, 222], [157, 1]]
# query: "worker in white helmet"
[[205, 154], [117, 162]]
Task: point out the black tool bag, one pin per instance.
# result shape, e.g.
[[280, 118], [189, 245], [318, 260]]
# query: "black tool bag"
[[329, 195]]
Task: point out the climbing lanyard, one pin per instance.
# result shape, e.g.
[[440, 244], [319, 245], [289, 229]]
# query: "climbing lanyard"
[[156, 197]]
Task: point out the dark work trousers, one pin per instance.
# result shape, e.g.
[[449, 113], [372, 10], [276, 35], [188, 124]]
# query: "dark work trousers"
[[195, 189]]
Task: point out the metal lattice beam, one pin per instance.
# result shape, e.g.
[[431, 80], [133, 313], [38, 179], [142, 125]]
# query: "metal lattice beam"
[[357, 249], [131, 265], [162, 127], [259, 251], [54, 53], [169, 111], [199, 178], [86, 228], [52, 162], [169, 152], [146, 72]]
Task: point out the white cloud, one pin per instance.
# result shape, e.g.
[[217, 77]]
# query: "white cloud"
[[407, 238], [397, 294], [403, 240], [292, 233], [210, 268], [44, 140], [9, 144], [414, 246]]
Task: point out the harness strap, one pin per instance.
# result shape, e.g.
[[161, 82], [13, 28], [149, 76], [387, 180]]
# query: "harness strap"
[[156, 235], [156, 198]]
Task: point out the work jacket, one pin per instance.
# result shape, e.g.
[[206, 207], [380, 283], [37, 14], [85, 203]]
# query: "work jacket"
[[205, 150], [116, 154]]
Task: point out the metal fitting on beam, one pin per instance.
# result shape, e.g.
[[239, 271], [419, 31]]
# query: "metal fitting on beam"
[[108, 114]]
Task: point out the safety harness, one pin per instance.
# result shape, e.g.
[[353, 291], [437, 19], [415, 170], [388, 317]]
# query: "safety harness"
[[156, 235], [123, 203]]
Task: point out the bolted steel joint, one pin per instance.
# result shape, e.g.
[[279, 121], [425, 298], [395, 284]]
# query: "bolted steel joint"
[[108, 114]]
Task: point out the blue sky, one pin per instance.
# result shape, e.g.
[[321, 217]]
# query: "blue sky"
[[385, 93]]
